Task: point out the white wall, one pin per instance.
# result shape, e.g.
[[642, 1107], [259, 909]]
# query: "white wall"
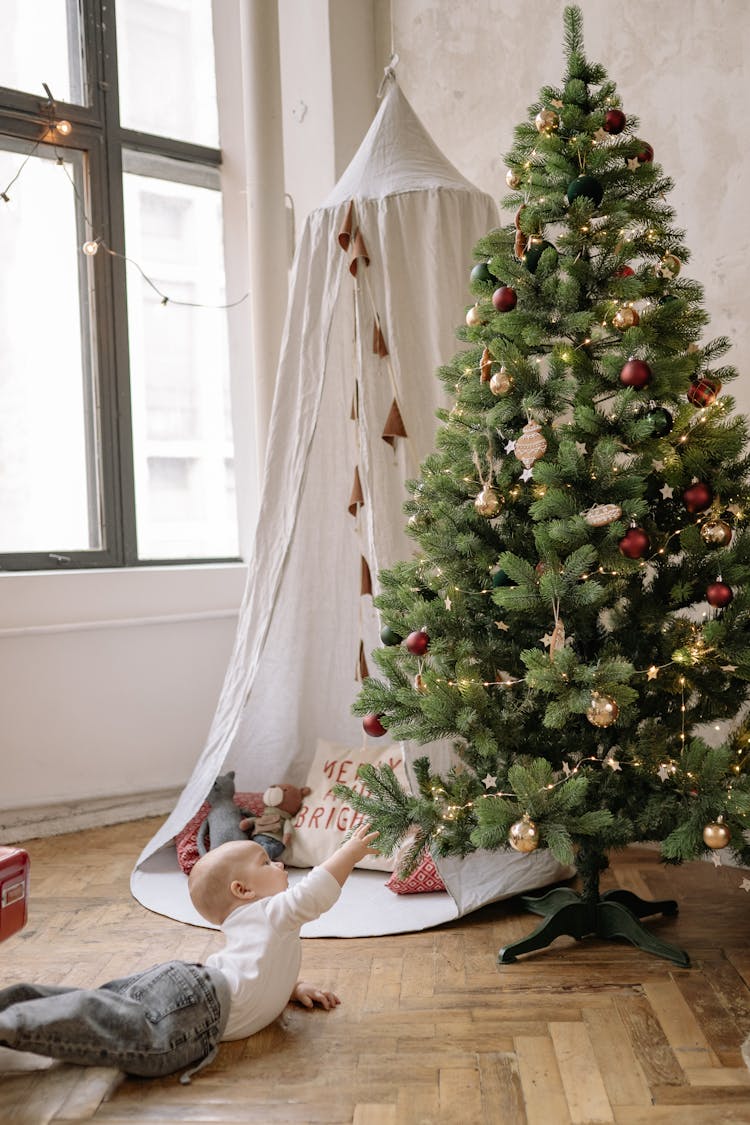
[[109, 680]]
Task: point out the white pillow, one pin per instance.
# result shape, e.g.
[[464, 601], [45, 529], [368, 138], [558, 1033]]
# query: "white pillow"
[[324, 820]]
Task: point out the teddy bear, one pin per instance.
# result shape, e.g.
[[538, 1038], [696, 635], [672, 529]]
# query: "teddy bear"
[[224, 819], [273, 828]]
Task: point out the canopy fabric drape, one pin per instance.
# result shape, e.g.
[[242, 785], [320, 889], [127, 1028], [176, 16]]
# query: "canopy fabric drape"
[[378, 285]]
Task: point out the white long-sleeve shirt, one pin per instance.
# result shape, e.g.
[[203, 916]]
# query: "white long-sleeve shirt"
[[263, 951]]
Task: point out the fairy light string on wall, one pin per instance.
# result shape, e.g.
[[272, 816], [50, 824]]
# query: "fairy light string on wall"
[[54, 128]]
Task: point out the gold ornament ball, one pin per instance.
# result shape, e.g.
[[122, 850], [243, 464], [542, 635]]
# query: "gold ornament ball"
[[512, 179], [602, 710], [716, 835], [523, 836], [626, 318], [669, 266], [487, 502], [716, 533], [474, 317], [500, 382], [546, 121]]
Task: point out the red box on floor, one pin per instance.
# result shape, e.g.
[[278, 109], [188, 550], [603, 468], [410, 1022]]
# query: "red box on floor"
[[14, 890]]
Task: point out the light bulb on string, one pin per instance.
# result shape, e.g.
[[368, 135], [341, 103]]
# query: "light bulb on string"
[[90, 247]]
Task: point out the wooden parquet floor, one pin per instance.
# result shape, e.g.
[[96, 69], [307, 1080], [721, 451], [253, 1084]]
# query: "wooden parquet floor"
[[431, 1029]]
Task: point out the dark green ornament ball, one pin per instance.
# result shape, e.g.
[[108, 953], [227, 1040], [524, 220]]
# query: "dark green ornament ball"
[[389, 636], [533, 253], [585, 187], [426, 593], [662, 421], [481, 272], [500, 578]]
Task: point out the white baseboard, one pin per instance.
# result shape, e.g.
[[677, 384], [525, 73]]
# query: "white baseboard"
[[19, 825]]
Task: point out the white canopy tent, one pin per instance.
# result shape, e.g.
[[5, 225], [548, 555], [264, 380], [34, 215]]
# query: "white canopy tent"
[[378, 285]]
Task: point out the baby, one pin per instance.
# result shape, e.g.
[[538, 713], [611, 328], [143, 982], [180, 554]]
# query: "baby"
[[173, 1016]]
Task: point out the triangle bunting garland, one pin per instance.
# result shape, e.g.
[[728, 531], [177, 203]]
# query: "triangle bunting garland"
[[358, 252], [394, 425], [362, 671], [379, 345], [357, 498], [345, 231], [365, 585], [350, 239]]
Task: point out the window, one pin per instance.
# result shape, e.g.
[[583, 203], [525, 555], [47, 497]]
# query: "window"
[[115, 441]]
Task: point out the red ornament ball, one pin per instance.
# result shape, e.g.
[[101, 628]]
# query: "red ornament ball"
[[646, 155], [418, 642], [614, 121], [698, 497], [719, 595], [625, 271], [635, 543], [372, 725], [636, 374], [505, 298], [703, 392]]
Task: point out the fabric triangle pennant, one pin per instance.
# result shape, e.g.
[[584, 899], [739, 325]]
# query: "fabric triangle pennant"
[[357, 252], [365, 583], [345, 231], [362, 671], [394, 425], [379, 345], [357, 498]]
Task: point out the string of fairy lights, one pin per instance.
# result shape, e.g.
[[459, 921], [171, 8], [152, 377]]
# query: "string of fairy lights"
[[56, 128], [620, 315], [524, 834]]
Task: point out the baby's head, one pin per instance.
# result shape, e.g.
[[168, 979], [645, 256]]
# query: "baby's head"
[[232, 875]]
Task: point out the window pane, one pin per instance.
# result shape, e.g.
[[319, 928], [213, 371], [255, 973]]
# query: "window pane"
[[184, 483], [47, 502], [40, 42], [167, 78]]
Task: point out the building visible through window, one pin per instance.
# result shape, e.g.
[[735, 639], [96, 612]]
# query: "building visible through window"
[[115, 417]]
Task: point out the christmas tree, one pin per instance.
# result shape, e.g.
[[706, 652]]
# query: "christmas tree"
[[576, 615]]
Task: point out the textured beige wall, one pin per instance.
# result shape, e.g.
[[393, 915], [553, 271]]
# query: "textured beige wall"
[[681, 66]]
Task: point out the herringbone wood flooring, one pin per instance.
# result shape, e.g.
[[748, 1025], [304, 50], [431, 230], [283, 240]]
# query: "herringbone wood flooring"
[[430, 1029]]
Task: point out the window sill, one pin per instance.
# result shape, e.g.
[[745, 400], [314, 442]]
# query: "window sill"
[[56, 601]]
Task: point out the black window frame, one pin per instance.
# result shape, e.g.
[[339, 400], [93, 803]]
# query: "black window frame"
[[98, 133]]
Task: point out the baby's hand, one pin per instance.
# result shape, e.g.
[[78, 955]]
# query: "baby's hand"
[[308, 995], [361, 841]]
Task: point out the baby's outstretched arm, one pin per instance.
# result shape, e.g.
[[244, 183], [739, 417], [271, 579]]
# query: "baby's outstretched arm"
[[308, 995], [358, 845], [340, 865]]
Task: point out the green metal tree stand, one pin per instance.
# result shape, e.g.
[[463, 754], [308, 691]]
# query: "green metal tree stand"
[[614, 914]]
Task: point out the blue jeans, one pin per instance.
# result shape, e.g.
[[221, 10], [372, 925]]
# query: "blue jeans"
[[168, 1018], [272, 846]]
